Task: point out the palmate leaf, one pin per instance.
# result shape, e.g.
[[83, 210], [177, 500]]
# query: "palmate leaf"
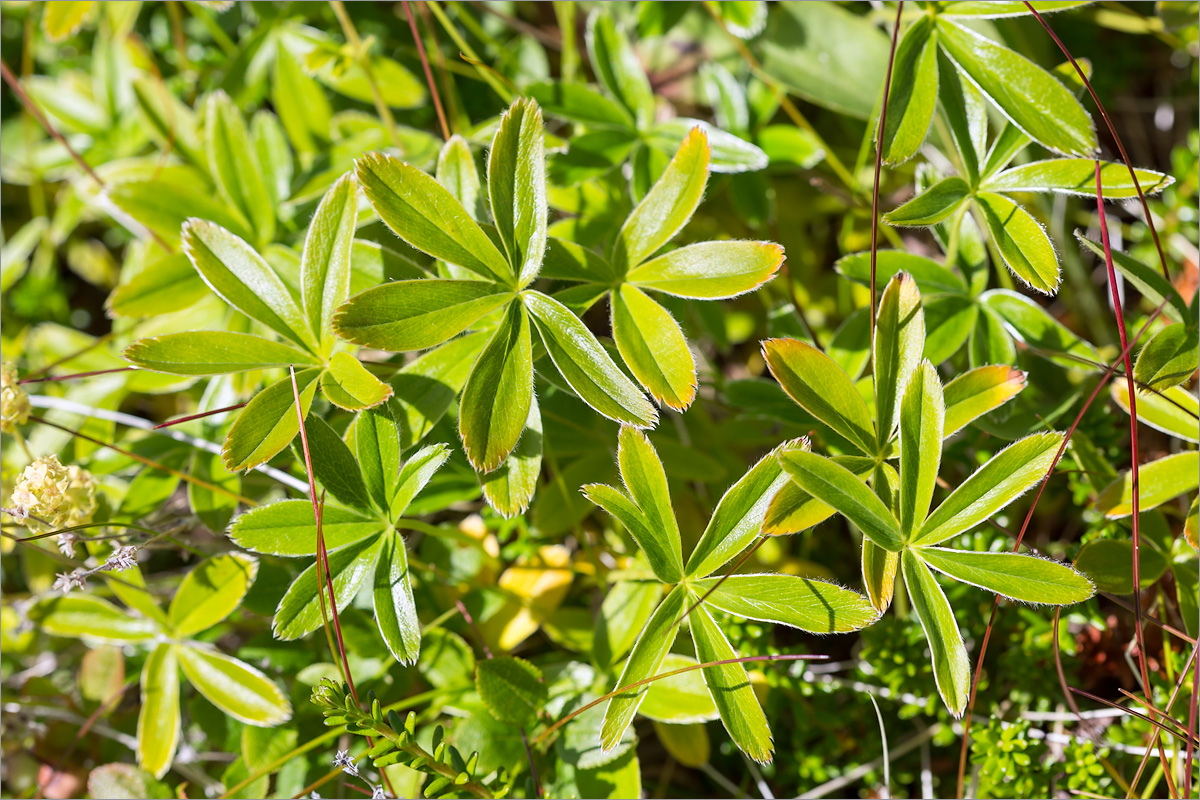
[[822, 389], [510, 487], [213, 353], [644, 479], [498, 393], [922, 424], [333, 465], [840, 489], [416, 473], [810, 605], [978, 391], [425, 388], [951, 670], [211, 592], [374, 438], [899, 340], [913, 94], [395, 610], [793, 510], [325, 260], [730, 688], [1077, 176], [1159, 481], [1021, 577], [1022, 241], [85, 616], [517, 187], [288, 528], [456, 171], [349, 385], [710, 270], [416, 314], [159, 723], [1033, 325], [644, 662], [299, 612], [1030, 97], [1004, 478], [235, 687], [935, 204], [652, 344], [663, 562]]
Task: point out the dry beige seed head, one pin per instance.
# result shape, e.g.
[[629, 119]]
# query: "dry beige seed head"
[[14, 403], [55, 496]]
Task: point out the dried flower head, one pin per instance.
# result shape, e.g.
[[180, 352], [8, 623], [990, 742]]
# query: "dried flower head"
[[14, 403], [346, 762], [66, 581], [58, 496], [123, 558]]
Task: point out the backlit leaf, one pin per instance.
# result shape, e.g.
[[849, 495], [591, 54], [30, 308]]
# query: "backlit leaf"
[[951, 669]]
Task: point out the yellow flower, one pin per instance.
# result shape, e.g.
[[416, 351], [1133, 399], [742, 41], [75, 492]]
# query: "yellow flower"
[[54, 496], [14, 403]]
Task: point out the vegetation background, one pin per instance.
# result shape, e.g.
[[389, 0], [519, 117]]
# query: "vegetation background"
[[245, 169]]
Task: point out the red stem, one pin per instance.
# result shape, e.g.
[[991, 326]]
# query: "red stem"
[[75, 375], [433, 91], [201, 415], [1162, 259]]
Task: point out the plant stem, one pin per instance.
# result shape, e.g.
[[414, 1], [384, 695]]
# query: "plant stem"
[[466, 51], [887, 85], [364, 61], [433, 90]]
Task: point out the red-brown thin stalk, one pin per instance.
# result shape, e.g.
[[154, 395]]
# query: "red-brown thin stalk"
[[322, 555], [74, 375], [201, 415], [1062, 448], [1144, 717], [1162, 258], [1133, 435], [887, 85], [1058, 667], [1170, 702], [433, 90], [32, 108]]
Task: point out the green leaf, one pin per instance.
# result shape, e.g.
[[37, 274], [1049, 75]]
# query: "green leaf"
[[139, 205], [644, 479], [242, 278], [166, 285], [793, 510], [1173, 411], [512, 689], [949, 321], [210, 592], [348, 384], [215, 509], [1034, 326], [850, 347], [325, 261], [234, 165], [517, 187], [951, 669], [299, 612], [821, 388], [728, 153], [978, 391], [235, 687], [213, 353], [1005, 477], [931, 277], [415, 474], [990, 342], [1016, 575], [1169, 358], [1109, 564], [585, 364], [914, 92], [1148, 280], [664, 562], [899, 340], [617, 67], [966, 116], [730, 688], [653, 346], [124, 780], [1077, 176], [423, 213], [395, 611], [287, 528], [680, 699], [668, 205], [931, 206], [85, 616], [652, 647], [738, 517], [996, 9], [1160, 480], [879, 574], [580, 103], [1022, 241], [572, 262], [300, 102], [497, 396], [710, 270], [828, 55], [274, 155], [457, 172], [375, 436], [1187, 588], [510, 487], [158, 724], [416, 314], [625, 611], [922, 427], [1033, 99], [810, 605], [745, 19], [61, 19], [333, 465], [838, 487]]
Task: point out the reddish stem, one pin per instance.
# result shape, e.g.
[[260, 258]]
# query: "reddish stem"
[[1162, 259], [433, 91], [75, 375], [201, 415]]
